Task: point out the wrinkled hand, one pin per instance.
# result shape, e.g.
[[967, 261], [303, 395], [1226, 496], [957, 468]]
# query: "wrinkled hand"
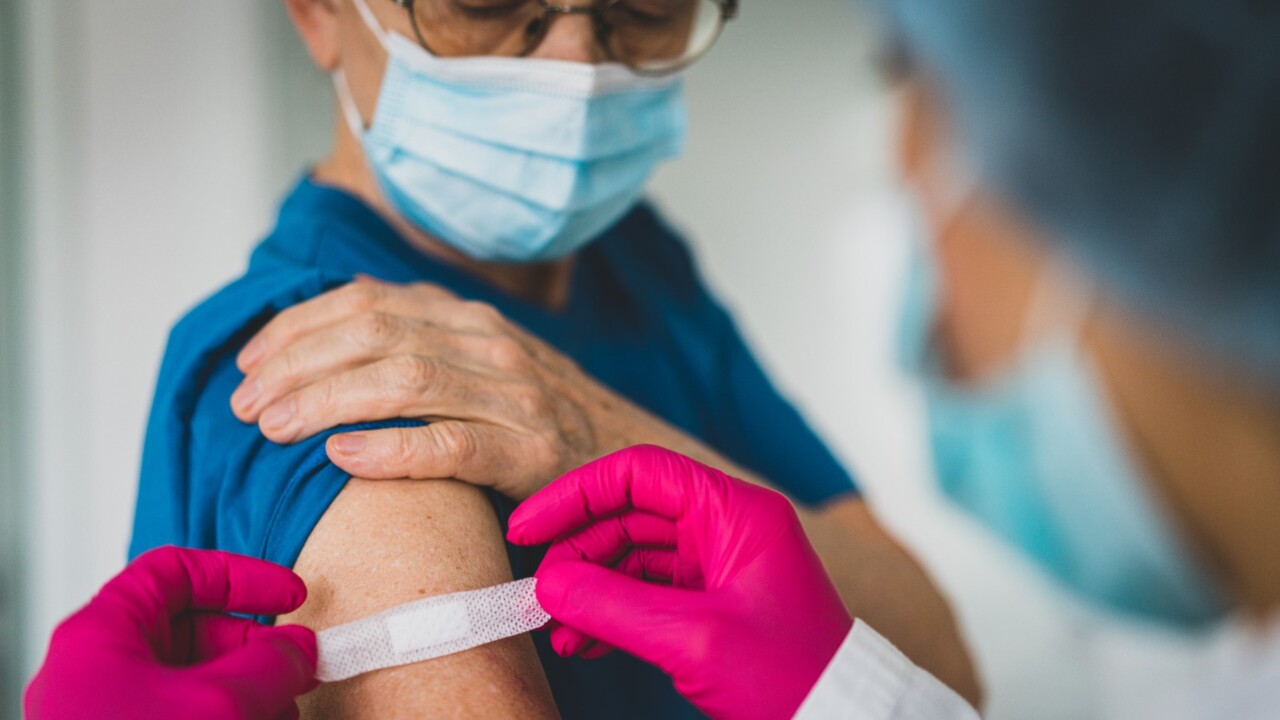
[[506, 410], [705, 576], [155, 644]]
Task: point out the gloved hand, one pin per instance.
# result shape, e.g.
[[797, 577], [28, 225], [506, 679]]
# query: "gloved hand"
[[703, 575], [155, 644]]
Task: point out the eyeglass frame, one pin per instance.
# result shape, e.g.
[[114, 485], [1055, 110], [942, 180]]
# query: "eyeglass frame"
[[597, 11]]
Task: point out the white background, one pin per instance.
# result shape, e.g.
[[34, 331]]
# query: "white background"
[[159, 135]]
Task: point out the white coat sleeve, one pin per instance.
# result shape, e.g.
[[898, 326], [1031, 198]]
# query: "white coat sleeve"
[[868, 679]]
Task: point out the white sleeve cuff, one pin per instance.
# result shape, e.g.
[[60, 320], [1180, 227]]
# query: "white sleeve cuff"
[[868, 679]]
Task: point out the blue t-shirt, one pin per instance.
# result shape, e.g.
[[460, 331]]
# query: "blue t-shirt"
[[639, 320]]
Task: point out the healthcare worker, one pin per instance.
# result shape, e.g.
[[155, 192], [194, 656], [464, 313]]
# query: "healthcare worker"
[[1097, 320], [156, 642]]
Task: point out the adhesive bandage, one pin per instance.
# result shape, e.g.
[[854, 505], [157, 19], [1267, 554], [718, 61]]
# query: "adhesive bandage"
[[429, 628]]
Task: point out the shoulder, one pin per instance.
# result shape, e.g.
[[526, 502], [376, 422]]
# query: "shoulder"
[[211, 333], [249, 300], [209, 480]]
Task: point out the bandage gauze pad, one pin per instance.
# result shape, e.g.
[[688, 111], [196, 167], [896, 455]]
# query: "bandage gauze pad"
[[429, 628]]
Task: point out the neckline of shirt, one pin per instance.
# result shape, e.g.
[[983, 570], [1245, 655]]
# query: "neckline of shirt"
[[322, 205]]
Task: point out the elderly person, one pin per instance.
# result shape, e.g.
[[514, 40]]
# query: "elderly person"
[[469, 292]]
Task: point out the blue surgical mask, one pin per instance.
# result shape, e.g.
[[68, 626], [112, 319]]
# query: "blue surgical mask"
[[513, 159], [1036, 455]]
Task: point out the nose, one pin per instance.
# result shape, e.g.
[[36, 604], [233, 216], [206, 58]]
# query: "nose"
[[571, 36]]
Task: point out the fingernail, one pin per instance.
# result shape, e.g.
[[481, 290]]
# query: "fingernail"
[[550, 587], [246, 395], [278, 416], [251, 353], [349, 444], [298, 593], [561, 646], [516, 532], [304, 638], [514, 536]]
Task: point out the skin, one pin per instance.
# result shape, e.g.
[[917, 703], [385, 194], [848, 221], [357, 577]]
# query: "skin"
[[387, 543], [1206, 436], [511, 413]]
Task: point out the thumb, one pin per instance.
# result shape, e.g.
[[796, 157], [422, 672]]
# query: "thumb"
[[610, 607], [272, 668]]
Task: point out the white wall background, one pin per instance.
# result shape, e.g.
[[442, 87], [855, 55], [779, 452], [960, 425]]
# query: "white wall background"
[[10, 411], [160, 134], [148, 177]]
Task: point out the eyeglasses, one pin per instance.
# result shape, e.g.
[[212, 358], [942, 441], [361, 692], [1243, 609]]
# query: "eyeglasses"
[[652, 37]]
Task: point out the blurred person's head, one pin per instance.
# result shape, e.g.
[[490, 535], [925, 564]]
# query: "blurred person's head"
[[1101, 183]]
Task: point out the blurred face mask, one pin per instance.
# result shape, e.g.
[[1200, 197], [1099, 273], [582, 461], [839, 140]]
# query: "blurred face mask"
[[513, 159], [1036, 455]]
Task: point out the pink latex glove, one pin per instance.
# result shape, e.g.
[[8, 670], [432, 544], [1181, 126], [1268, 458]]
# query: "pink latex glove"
[[155, 644], [705, 576]]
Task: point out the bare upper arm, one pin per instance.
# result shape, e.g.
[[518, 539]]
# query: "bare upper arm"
[[385, 543]]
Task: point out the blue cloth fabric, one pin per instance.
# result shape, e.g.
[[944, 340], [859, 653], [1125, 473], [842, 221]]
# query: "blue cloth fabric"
[[640, 320], [1141, 135]]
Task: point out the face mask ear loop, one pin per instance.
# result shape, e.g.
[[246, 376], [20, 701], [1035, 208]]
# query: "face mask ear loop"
[[957, 186], [1062, 301], [348, 104], [345, 99], [371, 20]]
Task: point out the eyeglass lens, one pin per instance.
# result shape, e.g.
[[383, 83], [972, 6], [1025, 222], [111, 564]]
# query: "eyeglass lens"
[[645, 34]]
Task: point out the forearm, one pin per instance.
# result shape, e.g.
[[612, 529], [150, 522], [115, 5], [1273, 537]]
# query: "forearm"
[[883, 585], [879, 581]]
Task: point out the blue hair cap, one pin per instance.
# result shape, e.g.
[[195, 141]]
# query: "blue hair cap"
[[1141, 135]]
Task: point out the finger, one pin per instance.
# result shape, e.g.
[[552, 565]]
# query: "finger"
[[608, 606], [596, 651], [605, 541], [270, 670], [656, 565], [567, 642], [446, 450], [331, 307], [169, 580], [647, 478], [348, 344], [650, 564], [214, 635], [404, 386]]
